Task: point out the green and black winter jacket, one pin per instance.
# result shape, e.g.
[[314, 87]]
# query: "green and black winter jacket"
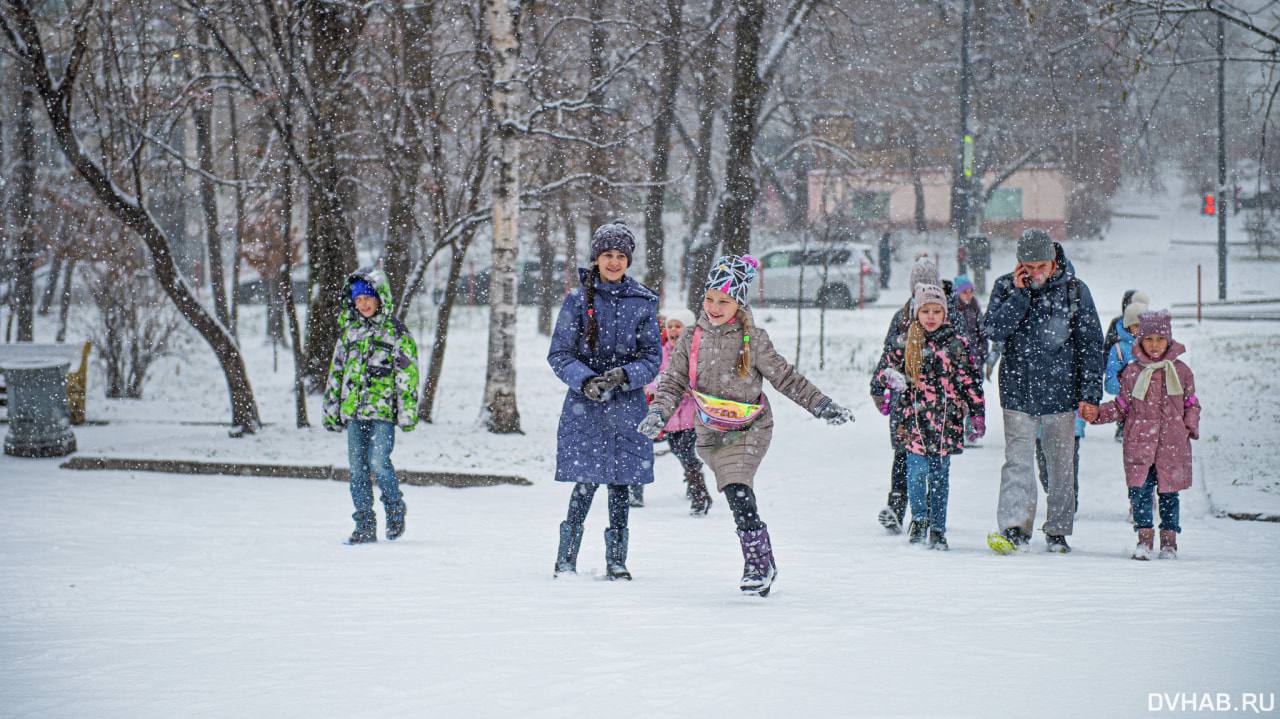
[[374, 372]]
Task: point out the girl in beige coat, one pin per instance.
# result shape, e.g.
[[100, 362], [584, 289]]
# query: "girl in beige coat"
[[723, 363]]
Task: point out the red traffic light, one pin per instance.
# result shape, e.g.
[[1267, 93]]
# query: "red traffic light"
[[1209, 207]]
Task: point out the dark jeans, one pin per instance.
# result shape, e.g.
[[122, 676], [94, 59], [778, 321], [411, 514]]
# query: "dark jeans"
[[1140, 503], [928, 485], [898, 484], [580, 504], [684, 445], [743, 503], [369, 445], [1043, 466]]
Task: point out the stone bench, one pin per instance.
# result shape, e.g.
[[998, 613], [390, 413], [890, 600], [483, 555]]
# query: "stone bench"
[[75, 354]]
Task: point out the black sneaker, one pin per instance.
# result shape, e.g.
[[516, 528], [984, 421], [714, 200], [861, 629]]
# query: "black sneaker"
[[1017, 537], [917, 530], [1056, 543], [889, 520]]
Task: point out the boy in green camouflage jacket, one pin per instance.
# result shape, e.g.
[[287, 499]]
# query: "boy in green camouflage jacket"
[[372, 388]]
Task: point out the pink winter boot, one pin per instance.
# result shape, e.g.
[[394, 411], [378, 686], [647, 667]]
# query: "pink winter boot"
[[1146, 540], [1168, 544]]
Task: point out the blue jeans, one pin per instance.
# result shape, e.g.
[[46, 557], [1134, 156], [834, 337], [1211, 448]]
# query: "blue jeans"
[[1140, 502], [369, 445], [928, 483]]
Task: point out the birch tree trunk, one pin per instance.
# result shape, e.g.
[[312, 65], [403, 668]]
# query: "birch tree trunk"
[[501, 413]]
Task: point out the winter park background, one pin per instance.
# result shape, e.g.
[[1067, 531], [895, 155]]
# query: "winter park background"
[[193, 199]]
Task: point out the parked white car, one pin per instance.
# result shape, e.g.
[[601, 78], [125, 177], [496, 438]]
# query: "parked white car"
[[833, 276]]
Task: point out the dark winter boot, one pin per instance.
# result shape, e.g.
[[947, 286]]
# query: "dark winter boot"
[[366, 528], [567, 556], [1056, 544], [889, 520], [395, 520], [699, 497], [916, 532], [937, 540], [1168, 544], [636, 495], [1146, 537], [615, 553], [759, 569]]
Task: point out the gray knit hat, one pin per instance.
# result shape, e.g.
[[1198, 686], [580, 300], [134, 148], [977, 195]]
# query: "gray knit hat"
[[1036, 245], [923, 272], [926, 294]]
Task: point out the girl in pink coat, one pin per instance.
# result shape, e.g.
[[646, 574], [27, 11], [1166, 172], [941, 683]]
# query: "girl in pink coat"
[[679, 429], [1161, 414]]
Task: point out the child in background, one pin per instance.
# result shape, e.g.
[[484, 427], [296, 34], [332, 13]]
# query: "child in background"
[[936, 385], [1162, 415], [1120, 352], [679, 429], [723, 363], [372, 388], [968, 324]]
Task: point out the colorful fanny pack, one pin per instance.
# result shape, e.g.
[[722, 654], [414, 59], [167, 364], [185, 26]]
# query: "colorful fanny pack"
[[722, 415]]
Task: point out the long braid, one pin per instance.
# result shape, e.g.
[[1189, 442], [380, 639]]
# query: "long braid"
[[744, 354], [914, 354], [593, 327]]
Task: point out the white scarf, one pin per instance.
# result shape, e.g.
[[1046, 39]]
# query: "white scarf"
[[1173, 386]]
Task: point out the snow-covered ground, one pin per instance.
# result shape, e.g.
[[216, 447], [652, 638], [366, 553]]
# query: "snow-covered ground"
[[138, 595]]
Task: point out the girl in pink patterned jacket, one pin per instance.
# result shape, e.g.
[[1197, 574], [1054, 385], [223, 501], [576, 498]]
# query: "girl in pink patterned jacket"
[[937, 386]]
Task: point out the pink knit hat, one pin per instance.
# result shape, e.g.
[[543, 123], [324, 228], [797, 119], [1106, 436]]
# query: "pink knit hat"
[[1155, 323], [926, 294]]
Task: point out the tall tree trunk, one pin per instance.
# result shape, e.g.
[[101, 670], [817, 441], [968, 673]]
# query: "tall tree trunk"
[[547, 284], [601, 209], [917, 184], [331, 251], [284, 286], [699, 247], [439, 341], [201, 114], [64, 302], [733, 216], [501, 413], [236, 242], [51, 286], [417, 24], [23, 209], [654, 235]]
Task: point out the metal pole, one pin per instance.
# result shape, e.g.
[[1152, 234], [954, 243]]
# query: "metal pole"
[[1199, 295], [960, 183], [1222, 162]]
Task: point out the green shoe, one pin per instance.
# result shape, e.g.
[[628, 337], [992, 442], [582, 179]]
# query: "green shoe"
[[1000, 544]]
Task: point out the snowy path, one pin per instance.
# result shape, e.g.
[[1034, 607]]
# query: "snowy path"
[[153, 595]]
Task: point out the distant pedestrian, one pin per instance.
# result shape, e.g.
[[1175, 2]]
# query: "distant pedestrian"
[[886, 259]]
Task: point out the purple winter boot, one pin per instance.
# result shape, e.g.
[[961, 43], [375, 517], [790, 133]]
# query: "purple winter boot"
[[759, 571]]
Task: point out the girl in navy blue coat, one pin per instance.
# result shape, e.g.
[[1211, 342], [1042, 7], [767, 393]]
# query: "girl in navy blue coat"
[[606, 348]]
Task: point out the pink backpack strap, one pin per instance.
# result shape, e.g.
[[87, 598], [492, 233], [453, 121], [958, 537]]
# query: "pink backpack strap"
[[693, 358]]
